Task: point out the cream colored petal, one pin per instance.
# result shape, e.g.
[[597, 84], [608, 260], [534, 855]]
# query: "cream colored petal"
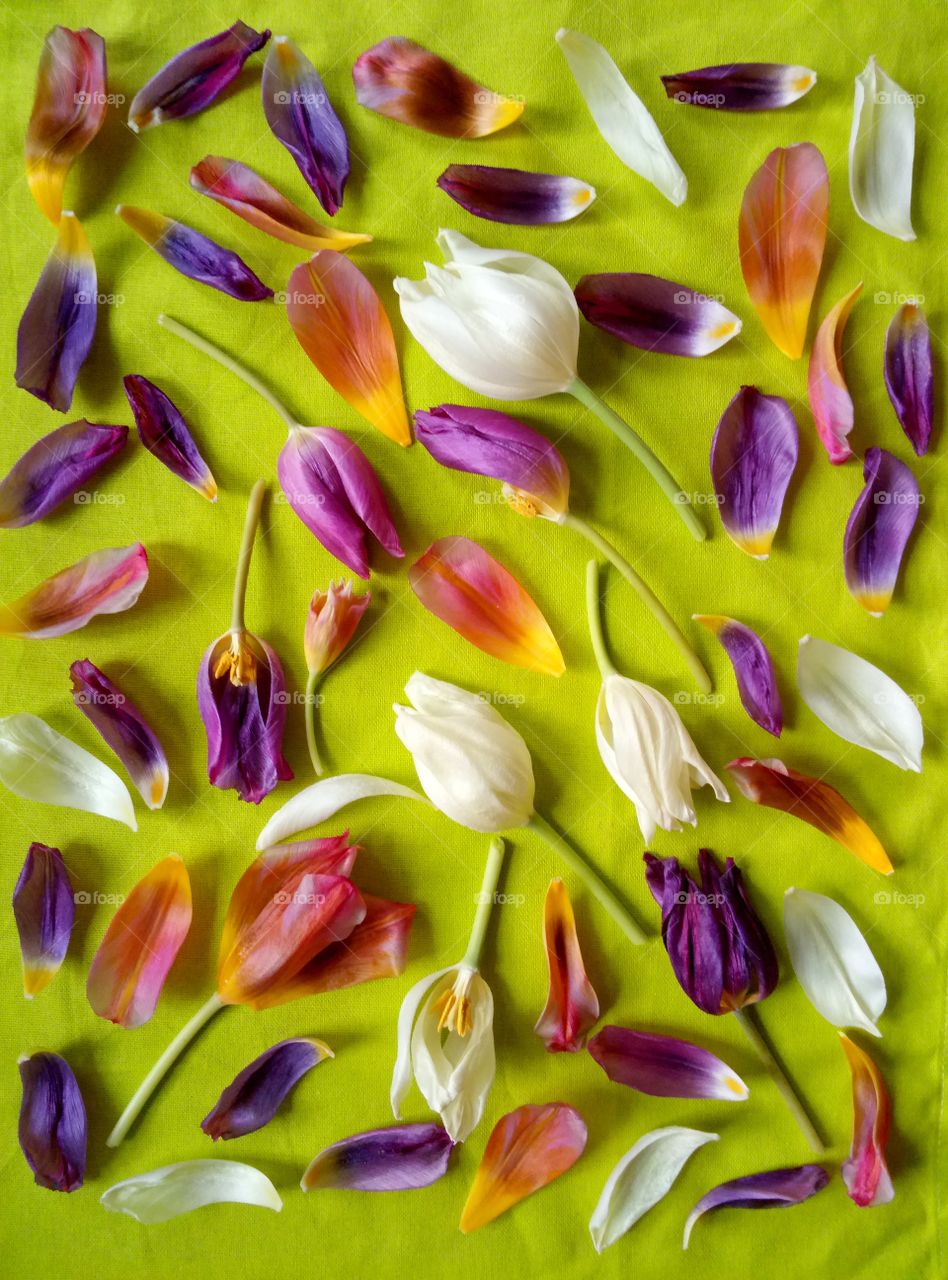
[[455, 1073], [174, 1189], [402, 1074], [324, 799], [881, 153]]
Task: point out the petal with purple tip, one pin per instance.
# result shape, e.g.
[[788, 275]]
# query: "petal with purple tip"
[[164, 432], [194, 255], [753, 667], [656, 314], [515, 196], [776, 1189], [255, 1095], [401, 1157], [54, 468], [741, 86], [44, 908], [908, 373], [52, 1122], [878, 530], [829, 397], [108, 581], [124, 728], [664, 1067]]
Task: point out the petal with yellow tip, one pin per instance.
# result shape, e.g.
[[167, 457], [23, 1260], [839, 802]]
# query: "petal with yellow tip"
[[753, 668], [400, 1157], [664, 1066], [255, 1094], [194, 255], [829, 397], [865, 1173], [515, 195], [878, 530], [572, 1005], [44, 907], [656, 314], [165, 434]]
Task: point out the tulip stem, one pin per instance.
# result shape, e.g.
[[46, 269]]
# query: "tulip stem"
[[645, 592], [161, 1067], [310, 711], [751, 1027], [594, 616], [485, 900], [590, 878], [251, 520], [656, 468]]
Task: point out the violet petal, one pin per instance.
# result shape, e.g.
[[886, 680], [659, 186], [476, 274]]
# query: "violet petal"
[[124, 728], [776, 1189], [741, 86], [515, 195], [908, 373], [194, 255], [663, 1066], [401, 1157], [878, 530], [164, 432], [54, 468], [44, 907], [52, 1122], [255, 1095], [656, 314], [753, 668], [690, 931]]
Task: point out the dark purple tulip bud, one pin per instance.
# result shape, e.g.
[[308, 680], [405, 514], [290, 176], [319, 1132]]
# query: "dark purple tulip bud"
[[52, 1122]]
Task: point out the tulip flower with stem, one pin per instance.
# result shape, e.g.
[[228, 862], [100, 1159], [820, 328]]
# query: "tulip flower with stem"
[[331, 622]]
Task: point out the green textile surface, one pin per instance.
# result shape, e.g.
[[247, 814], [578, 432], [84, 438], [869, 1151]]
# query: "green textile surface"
[[414, 855]]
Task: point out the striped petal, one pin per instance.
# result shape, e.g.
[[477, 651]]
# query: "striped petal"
[[340, 323], [656, 314], [753, 456], [741, 86], [58, 325], [107, 581], [664, 1067], [572, 1005], [477, 597], [882, 152], [164, 433], [181, 1188], [52, 1128], [195, 256], [776, 1189], [404, 81], [124, 728], [515, 195], [401, 1157], [255, 1094], [54, 468], [527, 1150], [781, 233], [772, 784], [68, 111], [865, 1173], [908, 373], [753, 667], [140, 945], [829, 397], [44, 908], [878, 530]]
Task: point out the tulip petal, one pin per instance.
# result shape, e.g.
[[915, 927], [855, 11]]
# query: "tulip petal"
[[322, 800], [52, 1122], [621, 116], [664, 1067], [753, 668], [829, 397], [641, 1178], [878, 530], [782, 232], [832, 961], [397, 1158], [54, 468], [124, 728], [527, 1150], [741, 86], [301, 116], [37, 763], [407, 1016], [572, 1005], [331, 621], [175, 1189], [865, 1173], [58, 325], [656, 314], [454, 1073], [107, 581], [772, 784], [753, 456], [881, 153], [776, 1189], [44, 907], [195, 77], [515, 196], [908, 373], [859, 702], [164, 433], [194, 255], [140, 945], [255, 1094]]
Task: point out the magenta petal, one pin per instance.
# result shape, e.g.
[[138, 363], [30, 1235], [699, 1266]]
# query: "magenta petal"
[[515, 195], [741, 86], [878, 529], [402, 1157], [776, 1189], [664, 1067], [54, 468], [124, 728], [656, 314], [194, 255], [52, 1122], [164, 432], [908, 373], [44, 908], [257, 1093], [753, 667]]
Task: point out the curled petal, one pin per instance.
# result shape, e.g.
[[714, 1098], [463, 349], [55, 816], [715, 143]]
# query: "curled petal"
[[174, 1189], [195, 256], [404, 81], [44, 907], [741, 86], [401, 1157], [753, 456], [194, 78], [124, 728], [908, 373], [52, 1122], [255, 1094], [664, 1067], [832, 961], [656, 314], [515, 195], [107, 581], [621, 116], [54, 468], [164, 432], [782, 233], [331, 622], [878, 530], [776, 1189], [323, 800], [882, 152], [865, 1173], [572, 1005], [753, 667], [477, 597], [527, 1150], [828, 394], [772, 784]]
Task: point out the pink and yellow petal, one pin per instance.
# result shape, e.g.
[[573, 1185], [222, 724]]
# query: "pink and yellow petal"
[[107, 581], [829, 397], [572, 1005], [865, 1173]]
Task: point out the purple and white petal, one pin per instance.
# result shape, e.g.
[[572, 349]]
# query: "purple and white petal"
[[401, 1157], [908, 373], [516, 196], [656, 314], [741, 86], [776, 1189], [753, 668], [194, 255], [164, 432], [52, 1127], [124, 728], [44, 908], [664, 1067], [878, 530], [54, 468], [255, 1095]]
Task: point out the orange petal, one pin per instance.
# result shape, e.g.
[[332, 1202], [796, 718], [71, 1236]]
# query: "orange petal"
[[527, 1149], [829, 396], [781, 233], [572, 1006], [865, 1172]]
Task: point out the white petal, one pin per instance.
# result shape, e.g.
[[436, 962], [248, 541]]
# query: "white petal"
[[832, 961], [621, 116], [317, 803], [401, 1076], [641, 1178], [455, 1073], [38, 763], [881, 152], [178, 1188], [859, 702]]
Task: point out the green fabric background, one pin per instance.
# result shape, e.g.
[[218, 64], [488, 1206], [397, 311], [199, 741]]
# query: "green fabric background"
[[153, 651]]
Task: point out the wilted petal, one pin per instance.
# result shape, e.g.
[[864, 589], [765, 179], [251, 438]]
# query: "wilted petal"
[[527, 1149], [572, 1005], [164, 432], [878, 530], [664, 1067], [174, 1189], [401, 1157], [52, 1122], [829, 397], [656, 314], [323, 800], [194, 78], [776, 1189], [832, 961], [881, 153], [124, 728], [107, 581], [771, 783], [741, 86], [515, 195], [331, 622], [865, 1173], [476, 596], [782, 232], [753, 667], [44, 908], [195, 256], [255, 1094], [753, 456], [54, 468], [908, 373]]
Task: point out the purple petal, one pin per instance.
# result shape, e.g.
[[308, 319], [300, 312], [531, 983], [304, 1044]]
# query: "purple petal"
[[515, 195], [656, 314], [753, 667], [878, 529], [777, 1189], [193, 78], [741, 86], [164, 432], [908, 373], [750, 962], [124, 728], [258, 1092], [44, 907], [194, 255], [753, 456], [301, 116], [52, 1122], [664, 1067], [402, 1157], [690, 931], [54, 468]]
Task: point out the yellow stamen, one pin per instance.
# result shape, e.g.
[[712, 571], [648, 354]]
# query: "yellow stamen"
[[521, 502], [239, 661], [454, 1005]]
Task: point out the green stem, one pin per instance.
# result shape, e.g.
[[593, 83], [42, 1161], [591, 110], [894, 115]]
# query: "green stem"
[[310, 710], [646, 594], [158, 1071], [751, 1027], [656, 469], [597, 887], [594, 615], [251, 520], [485, 901]]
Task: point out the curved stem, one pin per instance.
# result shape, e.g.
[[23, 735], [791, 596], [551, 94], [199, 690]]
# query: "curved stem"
[[752, 1029], [594, 615], [656, 468], [310, 710], [158, 1071], [251, 520], [652, 602], [485, 900], [597, 887]]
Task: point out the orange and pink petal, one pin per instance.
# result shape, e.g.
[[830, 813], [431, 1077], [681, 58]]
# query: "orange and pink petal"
[[572, 1005], [829, 397], [108, 581], [866, 1173]]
